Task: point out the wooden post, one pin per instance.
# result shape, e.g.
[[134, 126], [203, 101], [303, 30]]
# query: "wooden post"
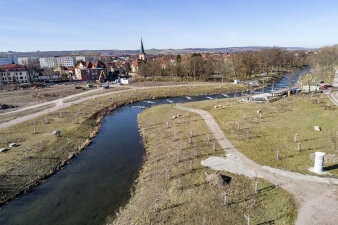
[[277, 154], [168, 173], [298, 147], [195, 152], [256, 187], [225, 199], [179, 183], [155, 204], [249, 218]]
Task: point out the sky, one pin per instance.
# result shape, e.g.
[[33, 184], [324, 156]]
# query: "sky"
[[31, 25]]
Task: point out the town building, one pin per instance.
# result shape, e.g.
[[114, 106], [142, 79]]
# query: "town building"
[[87, 71], [13, 74], [67, 61], [8, 60], [26, 60]]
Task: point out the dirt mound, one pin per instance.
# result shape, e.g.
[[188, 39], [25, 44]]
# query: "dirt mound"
[[216, 179]]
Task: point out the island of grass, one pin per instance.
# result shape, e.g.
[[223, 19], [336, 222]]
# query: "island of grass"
[[259, 138], [172, 187]]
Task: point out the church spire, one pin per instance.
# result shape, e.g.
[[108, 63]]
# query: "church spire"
[[142, 49], [142, 54]]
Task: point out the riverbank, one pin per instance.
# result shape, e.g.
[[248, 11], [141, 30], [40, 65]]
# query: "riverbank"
[[259, 137], [174, 179], [40, 154]]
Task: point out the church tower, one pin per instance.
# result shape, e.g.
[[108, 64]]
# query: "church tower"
[[142, 54]]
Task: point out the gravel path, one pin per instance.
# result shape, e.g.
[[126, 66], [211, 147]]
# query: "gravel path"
[[317, 197]]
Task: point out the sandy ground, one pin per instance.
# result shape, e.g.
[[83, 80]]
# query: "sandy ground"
[[317, 197], [33, 96]]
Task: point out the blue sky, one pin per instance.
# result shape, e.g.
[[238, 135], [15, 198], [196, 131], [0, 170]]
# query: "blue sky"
[[30, 25]]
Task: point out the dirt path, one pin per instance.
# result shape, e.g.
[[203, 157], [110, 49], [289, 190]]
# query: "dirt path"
[[333, 96], [317, 197], [60, 104]]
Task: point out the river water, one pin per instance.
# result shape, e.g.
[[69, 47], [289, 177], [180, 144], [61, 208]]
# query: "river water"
[[98, 182]]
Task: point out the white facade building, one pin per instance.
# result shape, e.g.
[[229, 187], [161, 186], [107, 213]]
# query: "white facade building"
[[8, 60], [13, 74], [67, 61], [26, 60]]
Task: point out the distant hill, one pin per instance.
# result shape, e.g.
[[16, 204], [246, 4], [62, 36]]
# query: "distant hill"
[[116, 52]]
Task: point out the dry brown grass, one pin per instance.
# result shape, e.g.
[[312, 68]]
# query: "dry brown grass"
[[194, 200]]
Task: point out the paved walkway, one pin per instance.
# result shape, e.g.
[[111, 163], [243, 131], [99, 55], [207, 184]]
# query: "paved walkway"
[[333, 96], [317, 197]]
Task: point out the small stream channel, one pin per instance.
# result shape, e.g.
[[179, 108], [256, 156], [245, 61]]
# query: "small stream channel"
[[98, 181]]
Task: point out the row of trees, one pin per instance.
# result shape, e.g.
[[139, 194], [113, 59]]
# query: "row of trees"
[[236, 66]]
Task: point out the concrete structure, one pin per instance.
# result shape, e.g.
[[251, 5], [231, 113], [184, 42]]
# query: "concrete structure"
[[26, 60], [13, 74], [319, 161], [67, 61], [8, 60], [310, 88]]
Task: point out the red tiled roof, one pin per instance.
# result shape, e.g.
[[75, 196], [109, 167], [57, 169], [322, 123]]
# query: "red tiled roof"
[[12, 67]]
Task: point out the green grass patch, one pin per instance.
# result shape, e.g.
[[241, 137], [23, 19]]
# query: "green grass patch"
[[276, 129]]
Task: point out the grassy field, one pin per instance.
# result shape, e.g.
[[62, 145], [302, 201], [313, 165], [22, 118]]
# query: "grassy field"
[[276, 129], [8, 117], [186, 197], [40, 153]]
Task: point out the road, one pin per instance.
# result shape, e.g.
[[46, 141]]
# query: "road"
[[317, 197], [333, 96]]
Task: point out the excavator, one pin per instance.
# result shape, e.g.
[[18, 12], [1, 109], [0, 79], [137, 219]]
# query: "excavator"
[[102, 77]]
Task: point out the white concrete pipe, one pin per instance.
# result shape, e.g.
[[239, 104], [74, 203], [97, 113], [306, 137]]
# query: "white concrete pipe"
[[319, 161]]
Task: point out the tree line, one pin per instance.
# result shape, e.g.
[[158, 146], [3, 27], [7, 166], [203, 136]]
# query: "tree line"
[[242, 65]]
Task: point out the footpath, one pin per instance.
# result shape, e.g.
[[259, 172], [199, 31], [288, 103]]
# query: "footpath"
[[316, 197]]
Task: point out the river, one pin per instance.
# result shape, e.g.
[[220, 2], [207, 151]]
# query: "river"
[[98, 182]]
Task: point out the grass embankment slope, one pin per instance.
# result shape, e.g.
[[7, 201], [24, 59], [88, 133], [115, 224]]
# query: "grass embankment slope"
[[40, 154], [318, 74], [276, 129], [186, 198]]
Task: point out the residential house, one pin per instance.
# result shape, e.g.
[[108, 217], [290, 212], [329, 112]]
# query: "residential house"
[[87, 71], [13, 74]]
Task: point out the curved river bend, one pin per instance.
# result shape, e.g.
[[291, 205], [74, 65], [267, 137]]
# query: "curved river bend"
[[98, 181]]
